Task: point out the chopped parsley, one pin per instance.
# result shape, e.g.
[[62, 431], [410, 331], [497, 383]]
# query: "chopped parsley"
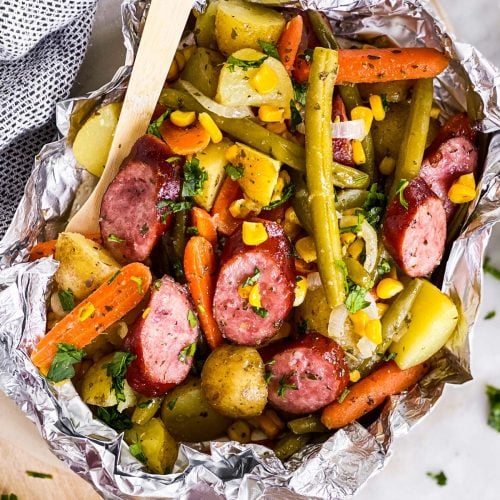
[[285, 196], [62, 365], [172, 207], [269, 49], [172, 159], [344, 394], [356, 298], [494, 416], [67, 299], [490, 315], [284, 386], [260, 311], [490, 269], [40, 475], [192, 319], [157, 284], [296, 117], [300, 92], [267, 377], [113, 277], [112, 417], [115, 239], [136, 451], [252, 279], [233, 62], [187, 352], [138, 282], [194, 178], [374, 206], [235, 172], [117, 370], [145, 404], [403, 184], [389, 356], [154, 127], [385, 102], [357, 227], [171, 404], [192, 231], [384, 267], [439, 477], [307, 55]]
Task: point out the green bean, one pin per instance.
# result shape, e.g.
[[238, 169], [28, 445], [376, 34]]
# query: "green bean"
[[350, 198], [146, 409], [300, 201], [349, 177], [358, 273], [242, 129], [322, 30], [412, 147], [305, 425], [319, 166], [290, 444]]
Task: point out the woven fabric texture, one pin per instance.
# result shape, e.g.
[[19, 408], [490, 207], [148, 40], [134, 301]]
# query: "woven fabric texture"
[[42, 44]]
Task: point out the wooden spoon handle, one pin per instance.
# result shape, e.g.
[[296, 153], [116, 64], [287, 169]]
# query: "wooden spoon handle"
[[163, 29]]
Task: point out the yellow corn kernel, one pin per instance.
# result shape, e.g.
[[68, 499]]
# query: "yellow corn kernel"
[[300, 290], [183, 118], [347, 238], [173, 72], [211, 127], [363, 113], [377, 107], [467, 180], [270, 424], [356, 248], [359, 321], [254, 297], [268, 113], [373, 331], [291, 230], [254, 233], [435, 112], [388, 288], [239, 431], [387, 165], [180, 60], [232, 152], [146, 312], [291, 216], [382, 308], [306, 249], [265, 80], [282, 182], [239, 209], [459, 193], [276, 127], [86, 311], [354, 376], [358, 152], [244, 291], [188, 52]]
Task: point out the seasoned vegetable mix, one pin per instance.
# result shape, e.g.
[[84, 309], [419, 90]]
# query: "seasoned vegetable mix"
[[264, 270]]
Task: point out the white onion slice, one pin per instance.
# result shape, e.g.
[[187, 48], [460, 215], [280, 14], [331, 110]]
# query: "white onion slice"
[[215, 107], [313, 281], [366, 347], [371, 245], [371, 309], [351, 129], [336, 324]]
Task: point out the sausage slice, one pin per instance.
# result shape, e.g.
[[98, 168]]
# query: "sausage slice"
[[161, 340], [307, 375], [269, 264], [131, 222], [415, 236]]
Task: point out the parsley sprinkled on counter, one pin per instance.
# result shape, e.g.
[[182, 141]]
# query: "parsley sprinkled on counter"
[[494, 416], [490, 315], [490, 269], [439, 477]]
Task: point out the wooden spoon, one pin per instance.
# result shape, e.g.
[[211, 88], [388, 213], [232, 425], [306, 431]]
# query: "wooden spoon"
[[163, 30]]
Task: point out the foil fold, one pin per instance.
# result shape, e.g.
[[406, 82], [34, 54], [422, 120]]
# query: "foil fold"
[[335, 469]]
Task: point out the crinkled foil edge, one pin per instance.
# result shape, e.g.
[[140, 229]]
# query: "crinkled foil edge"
[[335, 469]]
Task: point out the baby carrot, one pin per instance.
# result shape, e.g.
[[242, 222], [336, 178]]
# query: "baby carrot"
[[224, 221], [185, 141], [371, 392], [289, 42], [384, 65], [200, 269], [109, 303], [203, 222]]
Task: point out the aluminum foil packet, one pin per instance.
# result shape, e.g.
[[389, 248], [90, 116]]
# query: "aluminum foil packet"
[[335, 469]]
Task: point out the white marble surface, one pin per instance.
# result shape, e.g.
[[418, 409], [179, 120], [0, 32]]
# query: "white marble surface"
[[455, 437]]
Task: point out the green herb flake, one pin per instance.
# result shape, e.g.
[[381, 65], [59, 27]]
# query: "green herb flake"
[[490, 269], [40, 475], [154, 127], [171, 404], [194, 178], [267, 377], [357, 227], [374, 206], [403, 184], [385, 102], [173, 159], [307, 55], [494, 398], [439, 477], [145, 404], [260, 311], [356, 299], [62, 365], [490, 315], [287, 193], [284, 386], [296, 117], [115, 239], [300, 92], [344, 394], [112, 417], [252, 279], [172, 207], [233, 62], [192, 231], [113, 277], [8, 496], [157, 284], [67, 299], [117, 370], [138, 282], [136, 451], [235, 172], [192, 319], [269, 49], [389, 356], [187, 352], [384, 267]]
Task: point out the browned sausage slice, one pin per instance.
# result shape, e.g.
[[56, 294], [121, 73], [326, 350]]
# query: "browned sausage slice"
[[161, 340], [269, 264], [415, 236], [307, 375], [131, 222]]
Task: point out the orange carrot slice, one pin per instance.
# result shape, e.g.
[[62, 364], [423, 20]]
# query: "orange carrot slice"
[[203, 222], [224, 221], [200, 268], [371, 392], [289, 42], [109, 303], [185, 141]]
